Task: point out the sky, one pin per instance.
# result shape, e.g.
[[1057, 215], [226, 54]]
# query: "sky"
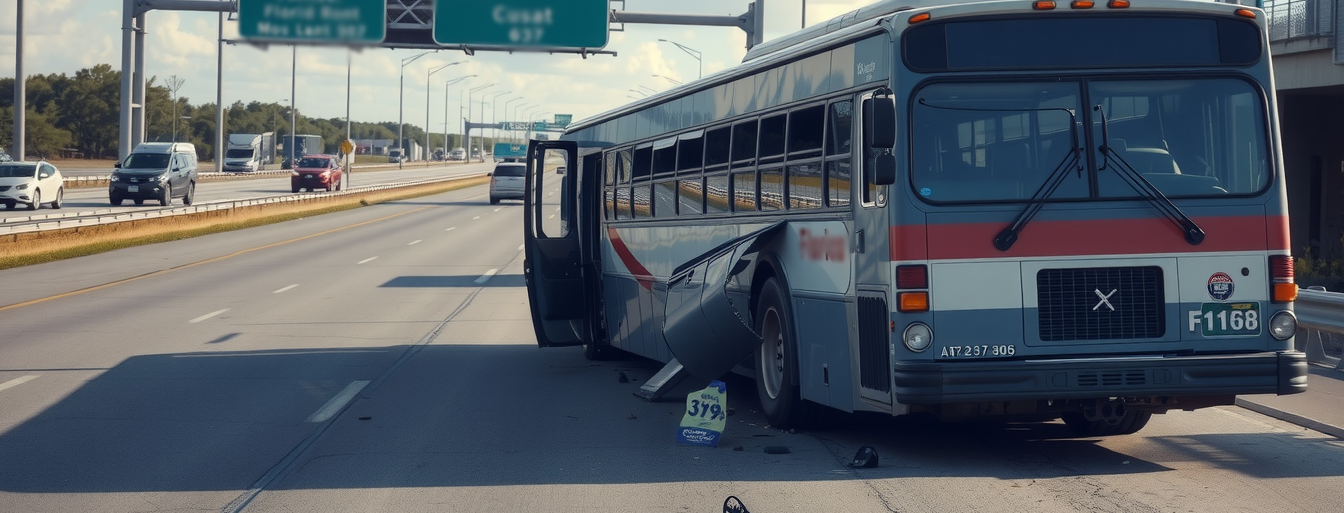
[[64, 36]]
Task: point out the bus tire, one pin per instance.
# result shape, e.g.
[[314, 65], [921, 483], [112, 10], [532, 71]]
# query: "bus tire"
[[777, 360], [1131, 423]]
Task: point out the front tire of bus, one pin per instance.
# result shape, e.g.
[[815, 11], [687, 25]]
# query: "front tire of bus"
[[777, 360]]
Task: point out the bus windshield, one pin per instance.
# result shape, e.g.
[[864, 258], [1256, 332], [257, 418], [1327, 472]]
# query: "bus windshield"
[[1189, 137]]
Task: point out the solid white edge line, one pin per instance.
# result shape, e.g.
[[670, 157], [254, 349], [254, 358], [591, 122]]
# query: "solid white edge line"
[[16, 382], [207, 316], [285, 288], [486, 277], [366, 260], [414, 242], [336, 403]]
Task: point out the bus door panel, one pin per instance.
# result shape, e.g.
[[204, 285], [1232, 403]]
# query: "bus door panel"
[[552, 264], [872, 270]]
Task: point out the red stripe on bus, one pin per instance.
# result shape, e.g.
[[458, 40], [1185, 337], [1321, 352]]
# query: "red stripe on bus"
[[1089, 237], [642, 275]]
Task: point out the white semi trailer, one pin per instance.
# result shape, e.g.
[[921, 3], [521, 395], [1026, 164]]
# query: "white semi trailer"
[[249, 152]]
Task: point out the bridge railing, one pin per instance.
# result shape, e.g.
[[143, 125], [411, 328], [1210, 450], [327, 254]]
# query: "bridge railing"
[[1300, 19]]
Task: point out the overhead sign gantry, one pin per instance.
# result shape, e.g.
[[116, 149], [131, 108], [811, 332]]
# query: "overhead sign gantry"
[[313, 21], [541, 24]]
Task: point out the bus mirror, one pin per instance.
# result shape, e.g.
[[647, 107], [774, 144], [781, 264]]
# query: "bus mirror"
[[884, 169], [879, 125]]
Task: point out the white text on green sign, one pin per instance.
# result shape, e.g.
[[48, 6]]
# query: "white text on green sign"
[[341, 21]]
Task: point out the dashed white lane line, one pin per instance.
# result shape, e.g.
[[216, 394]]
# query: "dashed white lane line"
[[207, 316], [451, 229], [282, 289], [521, 246], [475, 218], [486, 277], [498, 209], [552, 216], [338, 402], [16, 382], [366, 260], [414, 242]]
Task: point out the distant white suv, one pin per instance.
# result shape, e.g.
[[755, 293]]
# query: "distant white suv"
[[506, 182], [31, 183]]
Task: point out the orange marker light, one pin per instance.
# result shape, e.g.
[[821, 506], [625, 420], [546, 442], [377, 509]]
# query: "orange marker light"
[[919, 18], [1082, 4], [913, 302], [1247, 13], [1118, 4], [1043, 5], [1285, 292]]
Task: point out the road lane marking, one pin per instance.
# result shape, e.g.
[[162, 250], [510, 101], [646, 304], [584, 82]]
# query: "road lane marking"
[[202, 262], [414, 242], [336, 403], [521, 246], [277, 291], [207, 316], [16, 382], [486, 277], [451, 229], [552, 216], [366, 260], [475, 218], [498, 209]]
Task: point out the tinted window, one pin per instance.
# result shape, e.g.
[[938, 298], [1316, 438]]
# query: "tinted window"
[[840, 134], [1091, 43], [744, 142], [510, 170], [716, 147], [18, 170], [805, 129], [146, 161], [310, 162], [772, 136]]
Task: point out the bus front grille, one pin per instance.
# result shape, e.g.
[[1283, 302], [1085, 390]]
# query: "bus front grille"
[[874, 364], [1102, 303]]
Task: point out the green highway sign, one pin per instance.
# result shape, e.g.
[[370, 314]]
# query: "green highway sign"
[[522, 24], [313, 21], [563, 119]]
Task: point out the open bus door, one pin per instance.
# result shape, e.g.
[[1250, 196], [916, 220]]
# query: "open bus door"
[[552, 260]]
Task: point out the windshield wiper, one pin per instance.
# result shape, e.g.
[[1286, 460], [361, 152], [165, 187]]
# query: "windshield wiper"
[[1005, 239], [1193, 233]]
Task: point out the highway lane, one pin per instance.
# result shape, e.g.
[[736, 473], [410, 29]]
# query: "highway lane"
[[218, 385], [95, 199]]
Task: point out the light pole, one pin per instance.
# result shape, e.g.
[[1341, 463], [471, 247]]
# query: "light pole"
[[526, 114], [427, 82], [401, 103], [637, 91], [693, 53], [466, 131], [445, 108], [510, 118], [516, 108], [494, 118], [542, 114], [293, 95], [669, 79]]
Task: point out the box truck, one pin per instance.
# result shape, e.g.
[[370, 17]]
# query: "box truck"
[[249, 152]]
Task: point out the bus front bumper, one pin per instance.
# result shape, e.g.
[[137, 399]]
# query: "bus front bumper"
[[932, 383]]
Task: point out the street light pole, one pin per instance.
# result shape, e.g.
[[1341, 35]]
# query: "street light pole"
[[20, 98], [466, 131], [693, 53], [669, 79], [506, 113], [427, 82], [445, 108], [293, 95], [494, 104], [401, 104]]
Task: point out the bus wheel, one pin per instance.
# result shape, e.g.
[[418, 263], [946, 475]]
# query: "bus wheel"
[[1130, 423], [777, 360]]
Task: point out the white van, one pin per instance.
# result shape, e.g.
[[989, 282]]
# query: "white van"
[[155, 171]]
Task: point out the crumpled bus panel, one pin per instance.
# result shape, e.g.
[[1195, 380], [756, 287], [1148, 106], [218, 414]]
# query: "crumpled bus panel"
[[707, 317]]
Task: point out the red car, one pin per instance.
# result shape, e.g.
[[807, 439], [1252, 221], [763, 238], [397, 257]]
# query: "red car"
[[316, 171]]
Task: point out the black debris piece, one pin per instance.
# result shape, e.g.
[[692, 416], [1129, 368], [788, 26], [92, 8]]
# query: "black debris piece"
[[622, 378], [865, 458], [777, 449]]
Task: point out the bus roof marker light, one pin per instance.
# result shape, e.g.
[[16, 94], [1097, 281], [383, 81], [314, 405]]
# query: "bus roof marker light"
[[1246, 13], [919, 18], [1043, 5], [1118, 4], [1082, 4]]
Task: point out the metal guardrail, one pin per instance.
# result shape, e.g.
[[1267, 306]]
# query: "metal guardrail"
[[104, 216], [1320, 326]]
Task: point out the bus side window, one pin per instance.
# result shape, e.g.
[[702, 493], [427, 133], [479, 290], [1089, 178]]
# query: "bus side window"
[[609, 185], [839, 152]]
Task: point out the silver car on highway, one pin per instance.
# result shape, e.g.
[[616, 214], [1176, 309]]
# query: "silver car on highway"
[[506, 182]]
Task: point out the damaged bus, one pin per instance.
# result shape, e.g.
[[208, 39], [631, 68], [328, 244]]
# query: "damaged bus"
[[1051, 209]]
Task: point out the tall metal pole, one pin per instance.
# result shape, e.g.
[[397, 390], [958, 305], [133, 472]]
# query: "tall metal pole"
[[293, 95], [127, 63], [139, 98], [20, 89], [467, 131], [427, 83], [401, 105], [349, 160], [219, 99], [804, 14]]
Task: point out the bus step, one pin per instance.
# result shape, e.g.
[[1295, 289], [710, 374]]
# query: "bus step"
[[665, 380]]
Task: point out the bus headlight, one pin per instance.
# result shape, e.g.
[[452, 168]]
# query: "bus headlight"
[[1283, 325], [917, 337]]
